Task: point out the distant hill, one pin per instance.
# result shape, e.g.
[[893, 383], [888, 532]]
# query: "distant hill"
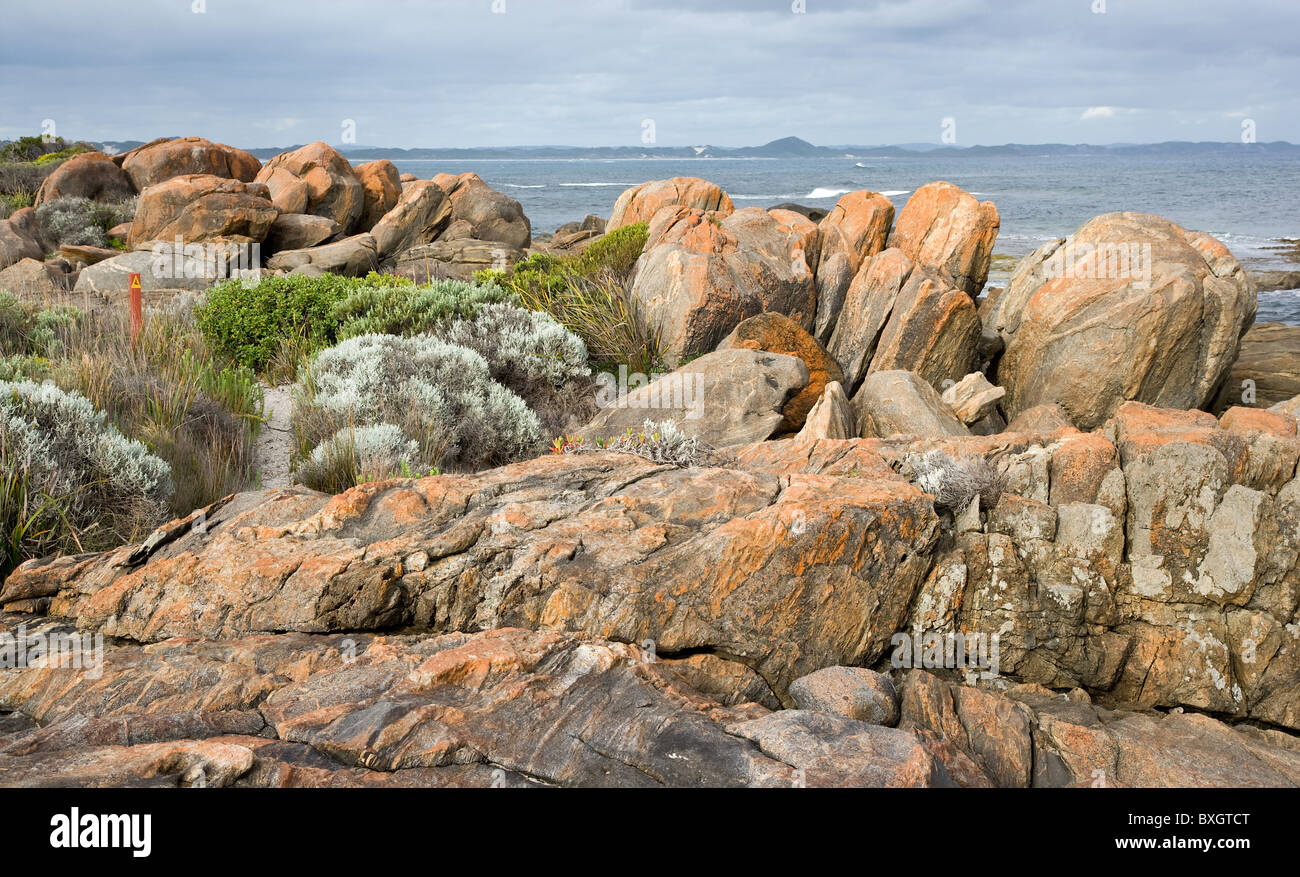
[[785, 148]]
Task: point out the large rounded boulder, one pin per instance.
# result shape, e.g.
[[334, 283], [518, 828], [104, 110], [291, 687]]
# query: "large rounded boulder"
[[641, 203], [316, 179], [160, 161], [201, 208], [854, 231], [383, 188], [1130, 308], [483, 213], [91, 175], [701, 274]]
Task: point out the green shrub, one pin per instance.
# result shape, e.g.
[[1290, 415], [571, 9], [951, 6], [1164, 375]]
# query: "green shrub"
[[27, 328], [70, 480], [246, 321], [616, 252], [405, 309], [358, 455]]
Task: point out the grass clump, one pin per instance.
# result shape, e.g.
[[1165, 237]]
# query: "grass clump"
[[662, 442], [590, 295]]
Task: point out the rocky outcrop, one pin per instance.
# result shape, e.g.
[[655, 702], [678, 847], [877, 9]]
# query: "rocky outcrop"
[[1131, 307], [488, 214], [733, 396], [315, 179], [353, 256], [382, 189], [200, 208], [947, 228], [854, 231], [421, 213], [90, 175], [702, 274], [775, 333], [902, 403], [832, 417], [899, 315], [20, 238], [29, 278], [112, 277], [458, 259], [641, 203], [1267, 368], [299, 231], [162, 160], [972, 398]]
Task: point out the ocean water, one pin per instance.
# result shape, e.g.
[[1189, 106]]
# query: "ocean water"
[[1248, 202]]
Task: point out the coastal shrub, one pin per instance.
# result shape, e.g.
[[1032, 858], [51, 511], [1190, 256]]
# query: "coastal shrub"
[[954, 483], [396, 306], [590, 295], [356, 455], [246, 321], [74, 221], [27, 328], [439, 395], [71, 480], [196, 410], [273, 326], [33, 148]]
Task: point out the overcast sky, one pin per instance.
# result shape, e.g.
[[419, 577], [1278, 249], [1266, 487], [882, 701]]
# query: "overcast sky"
[[589, 72]]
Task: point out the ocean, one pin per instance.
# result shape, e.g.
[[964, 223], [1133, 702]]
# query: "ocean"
[[1249, 202]]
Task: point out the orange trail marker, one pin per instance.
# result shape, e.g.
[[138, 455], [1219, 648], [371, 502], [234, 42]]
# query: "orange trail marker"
[[137, 311]]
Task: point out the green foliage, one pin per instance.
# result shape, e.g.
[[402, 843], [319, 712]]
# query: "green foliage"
[[28, 329], [273, 326], [589, 294], [245, 321], [51, 158], [397, 309]]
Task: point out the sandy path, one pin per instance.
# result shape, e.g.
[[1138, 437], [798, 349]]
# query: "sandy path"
[[275, 438]]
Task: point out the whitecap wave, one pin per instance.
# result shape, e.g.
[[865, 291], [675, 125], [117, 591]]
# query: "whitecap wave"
[[820, 192], [522, 186], [894, 193], [595, 185]]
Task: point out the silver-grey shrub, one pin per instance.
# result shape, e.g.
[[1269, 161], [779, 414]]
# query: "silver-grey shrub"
[[364, 453], [955, 482], [439, 395], [75, 221], [107, 488]]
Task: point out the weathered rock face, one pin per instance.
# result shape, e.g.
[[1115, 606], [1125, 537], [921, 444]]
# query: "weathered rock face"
[[772, 572], [733, 396], [29, 278], [1033, 737], [298, 231], [382, 188], [854, 231], [90, 175], [490, 215], [458, 259], [972, 398], [853, 692], [315, 179], [1267, 368], [832, 417], [701, 275], [200, 208], [112, 277], [775, 333], [20, 238], [898, 315], [505, 708], [901, 403], [641, 203], [947, 228], [159, 161], [1160, 325], [353, 256], [419, 216]]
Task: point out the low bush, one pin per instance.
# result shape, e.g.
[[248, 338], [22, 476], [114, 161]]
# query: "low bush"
[[275, 325], [358, 455], [80, 221], [27, 328], [955, 482], [394, 307], [439, 395], [70, 481]]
